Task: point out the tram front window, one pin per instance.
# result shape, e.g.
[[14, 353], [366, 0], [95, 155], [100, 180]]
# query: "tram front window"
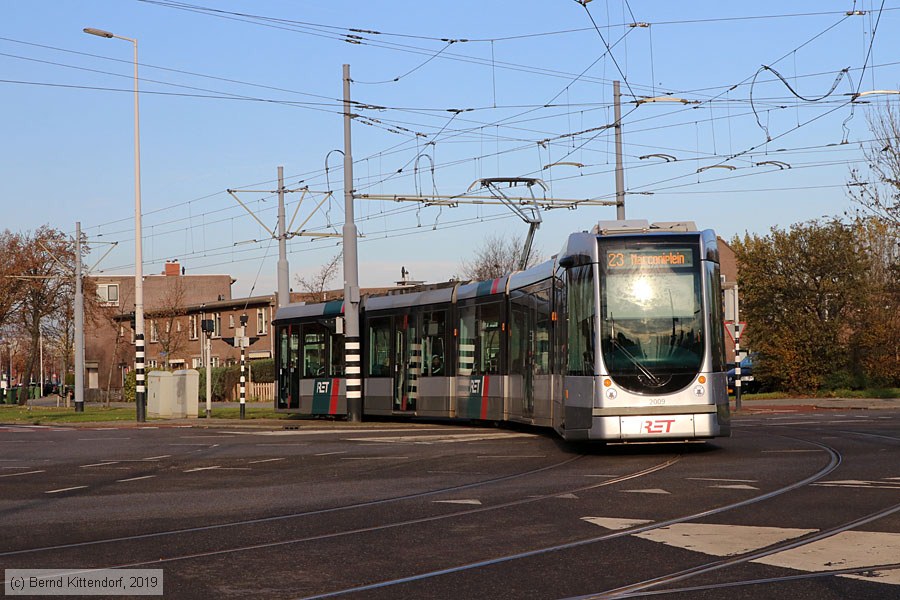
[[651, 314]]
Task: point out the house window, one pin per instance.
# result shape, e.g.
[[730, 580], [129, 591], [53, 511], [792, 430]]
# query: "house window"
[[152, 363], [214, 361], [108, 294], [154, 332], [231, 321], [262, 323], [196, 363], [217, 325], [192, 325]]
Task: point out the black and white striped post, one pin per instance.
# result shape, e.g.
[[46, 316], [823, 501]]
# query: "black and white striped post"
[[351, 273], [139, 381], [242, 342], [243, 382], [737, 367]]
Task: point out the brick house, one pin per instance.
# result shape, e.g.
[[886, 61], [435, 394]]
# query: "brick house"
[[174, 305]]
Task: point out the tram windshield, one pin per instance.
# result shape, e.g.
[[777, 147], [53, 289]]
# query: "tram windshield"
[[651, 312]]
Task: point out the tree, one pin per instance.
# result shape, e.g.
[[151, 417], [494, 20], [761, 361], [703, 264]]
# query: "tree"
[[167, 316], [497, 256], [47, 268], [317, 283], [802, 291], [876, 341], [10, 269], [880, 197]]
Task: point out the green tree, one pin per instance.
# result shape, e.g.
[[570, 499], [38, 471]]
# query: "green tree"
[[802, 292]]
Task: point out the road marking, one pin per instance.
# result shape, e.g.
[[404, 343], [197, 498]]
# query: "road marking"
[[472, 501], [158, 457], [721, 540], [95, 439], [330, 453], [374, 457], [648, 491], [26, 473], [787, 451], [616, 524], [450, 438], [135, 478], [732, 480], [265, 460], [846, 550], [68, 489], [194, 470], [335, 431], [513, 456], [567, 496], [100, 464], [736, 486]]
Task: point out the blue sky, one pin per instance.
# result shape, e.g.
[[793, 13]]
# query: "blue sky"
[[233, 89]]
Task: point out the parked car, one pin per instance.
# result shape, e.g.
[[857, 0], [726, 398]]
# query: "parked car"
[[749, 384]]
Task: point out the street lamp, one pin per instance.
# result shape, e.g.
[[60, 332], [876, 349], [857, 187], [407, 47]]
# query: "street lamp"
[[138, 257]]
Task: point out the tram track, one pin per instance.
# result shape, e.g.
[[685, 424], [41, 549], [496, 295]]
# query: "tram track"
[[834, 462], [634, 589], [385, 526], [289, 516]]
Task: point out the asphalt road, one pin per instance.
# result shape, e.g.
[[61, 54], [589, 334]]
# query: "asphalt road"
[[794, 505]]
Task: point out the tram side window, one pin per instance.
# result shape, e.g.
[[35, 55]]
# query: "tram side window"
[[716, 316], [337, 355], [315, 350], [481, 339], [541, 298], [379, 350], [434, 356], [283, 366], [580, 296]]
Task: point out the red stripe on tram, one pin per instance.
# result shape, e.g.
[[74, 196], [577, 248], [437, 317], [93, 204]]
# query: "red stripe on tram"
[[495, 285], [484, 397], [335, 388]]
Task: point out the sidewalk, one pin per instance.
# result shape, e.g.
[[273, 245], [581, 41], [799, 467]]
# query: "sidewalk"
[[813, 404]]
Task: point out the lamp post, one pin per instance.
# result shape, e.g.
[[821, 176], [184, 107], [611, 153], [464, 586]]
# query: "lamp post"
[[138, 257]]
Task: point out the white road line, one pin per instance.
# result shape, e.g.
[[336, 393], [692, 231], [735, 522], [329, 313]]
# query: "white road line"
[[330, 453], [472, 501], [736, 486], [68, 489], [731, 480], [721, 540], [100, 464], [202, 469], [265, 460], [103, 439], [26, 473], [374, 458], [615, 524], [158, 457], [135, 478], [647, 491], [514, 456]]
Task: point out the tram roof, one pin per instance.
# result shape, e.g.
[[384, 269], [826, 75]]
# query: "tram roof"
[[322, 309]]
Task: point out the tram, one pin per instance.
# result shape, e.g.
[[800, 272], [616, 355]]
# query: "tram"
[[617, 338]]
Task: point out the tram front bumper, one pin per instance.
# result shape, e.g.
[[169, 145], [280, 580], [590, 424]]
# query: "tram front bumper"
[[656, 427]]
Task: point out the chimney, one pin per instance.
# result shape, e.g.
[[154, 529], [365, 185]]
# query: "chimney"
[[172, 268]]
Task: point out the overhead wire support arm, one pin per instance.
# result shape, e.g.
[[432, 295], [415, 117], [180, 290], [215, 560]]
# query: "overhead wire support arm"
[[531, 215]]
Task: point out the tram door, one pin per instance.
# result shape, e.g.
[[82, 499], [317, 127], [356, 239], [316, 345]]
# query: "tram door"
[[406, 364], [288, 375]]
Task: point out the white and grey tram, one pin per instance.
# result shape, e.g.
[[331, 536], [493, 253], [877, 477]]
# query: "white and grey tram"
[[619, 337]]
